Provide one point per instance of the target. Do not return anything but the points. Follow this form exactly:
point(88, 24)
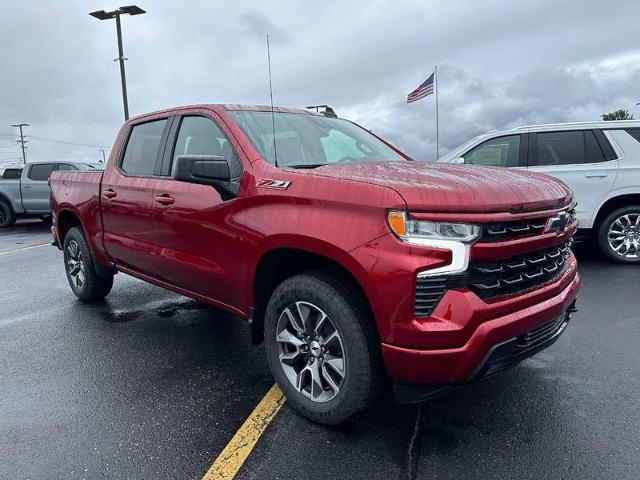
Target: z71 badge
point(270, 183)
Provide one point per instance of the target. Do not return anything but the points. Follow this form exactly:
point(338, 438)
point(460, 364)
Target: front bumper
point(446, 366)
point(501, 357)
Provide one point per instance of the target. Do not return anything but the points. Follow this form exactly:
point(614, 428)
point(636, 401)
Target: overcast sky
point(502, 63)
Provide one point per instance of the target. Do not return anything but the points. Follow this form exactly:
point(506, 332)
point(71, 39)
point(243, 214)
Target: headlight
point(455, 237)
point(416, 231)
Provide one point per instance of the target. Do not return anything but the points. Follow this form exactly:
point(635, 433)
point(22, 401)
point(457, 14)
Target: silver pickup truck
point(28, 195)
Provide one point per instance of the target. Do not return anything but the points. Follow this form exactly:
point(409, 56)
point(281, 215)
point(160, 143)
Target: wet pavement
point(152, 385)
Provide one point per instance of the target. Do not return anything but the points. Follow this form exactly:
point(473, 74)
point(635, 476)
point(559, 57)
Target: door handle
point(596, 175)
point(164, 199)
point(110, 193)
point(26, 186)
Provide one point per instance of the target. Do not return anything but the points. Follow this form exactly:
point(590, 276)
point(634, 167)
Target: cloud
point(501, 64)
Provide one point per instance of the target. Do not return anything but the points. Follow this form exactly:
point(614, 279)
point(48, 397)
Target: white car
point(599, 161)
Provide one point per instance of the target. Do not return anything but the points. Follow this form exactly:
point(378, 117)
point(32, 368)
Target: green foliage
point(618, 115)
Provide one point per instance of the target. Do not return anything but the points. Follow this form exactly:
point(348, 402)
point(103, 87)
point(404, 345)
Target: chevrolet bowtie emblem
point(557, 224)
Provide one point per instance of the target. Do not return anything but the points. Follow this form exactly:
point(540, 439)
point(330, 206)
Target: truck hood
point(441, 187)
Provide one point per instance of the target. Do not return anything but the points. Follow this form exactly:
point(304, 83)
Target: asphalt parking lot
point(152, 385)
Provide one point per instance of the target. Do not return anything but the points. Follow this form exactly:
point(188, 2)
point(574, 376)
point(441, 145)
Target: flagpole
point(436, 89)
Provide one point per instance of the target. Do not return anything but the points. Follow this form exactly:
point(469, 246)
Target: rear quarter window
point(12, 173)
point(634, 132)
point(142, 148)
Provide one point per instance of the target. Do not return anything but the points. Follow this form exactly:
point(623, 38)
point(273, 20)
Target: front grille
point(511, 353)
point(490, 280)
point(518, 273)
point(495, 232)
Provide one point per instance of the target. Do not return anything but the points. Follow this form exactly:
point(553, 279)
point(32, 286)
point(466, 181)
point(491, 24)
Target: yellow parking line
point(4, 252)
point(238, 449)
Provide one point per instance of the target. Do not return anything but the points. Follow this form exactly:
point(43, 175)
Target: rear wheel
point(7, 217)
point(81, 273)
point(619, 235)
point(322, 348)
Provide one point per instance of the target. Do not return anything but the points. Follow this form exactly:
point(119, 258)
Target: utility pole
point(104, 160)
point(22, 141)
point(103, 15)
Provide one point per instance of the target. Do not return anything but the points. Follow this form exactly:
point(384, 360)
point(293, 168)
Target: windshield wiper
point(306, 165)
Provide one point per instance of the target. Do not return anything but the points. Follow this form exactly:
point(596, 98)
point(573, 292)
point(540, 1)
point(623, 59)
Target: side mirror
point(205, 169)
point(211, 170)
point(457, 160)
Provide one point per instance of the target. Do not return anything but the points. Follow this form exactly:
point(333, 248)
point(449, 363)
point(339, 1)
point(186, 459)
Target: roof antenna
point(273, 117)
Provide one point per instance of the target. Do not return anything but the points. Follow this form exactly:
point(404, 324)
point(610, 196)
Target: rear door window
point(558, 148)
point(593, 150)
point(142, 149)
point(41, 171)
point(497, 152)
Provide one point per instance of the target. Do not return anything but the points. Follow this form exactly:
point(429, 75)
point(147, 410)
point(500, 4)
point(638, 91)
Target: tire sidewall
point(10, 216)
point(603, 232)
point(86, 292)
point(344, 316)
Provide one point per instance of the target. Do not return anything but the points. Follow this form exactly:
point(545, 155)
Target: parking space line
point(5, 252)
point(238, 449)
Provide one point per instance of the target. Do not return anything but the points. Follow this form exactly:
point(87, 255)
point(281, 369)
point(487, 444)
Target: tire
point(626, 222)
point(355, 348)
point(81, 273)
point(7, 217)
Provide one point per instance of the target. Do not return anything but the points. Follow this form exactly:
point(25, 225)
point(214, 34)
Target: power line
point(69, 143)
point(58, 141)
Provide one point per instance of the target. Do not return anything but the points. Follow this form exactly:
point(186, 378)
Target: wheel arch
point(612, 204)
point(67, 219)
point(279, 263)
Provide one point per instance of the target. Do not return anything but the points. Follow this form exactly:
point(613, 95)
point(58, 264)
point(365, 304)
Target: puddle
point(160, 309)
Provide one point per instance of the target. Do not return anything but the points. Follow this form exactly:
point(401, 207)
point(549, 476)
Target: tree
point(617, 115)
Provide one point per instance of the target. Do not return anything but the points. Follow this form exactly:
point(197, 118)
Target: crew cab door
point(126, 197)
point(35, 187)
point(577, 158)
point(198, 233)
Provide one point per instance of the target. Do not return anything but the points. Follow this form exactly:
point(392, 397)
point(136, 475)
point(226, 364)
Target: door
point(576, 158)
point(505, 151)
point(35, 188)
point(126, 198)
point(198, 234)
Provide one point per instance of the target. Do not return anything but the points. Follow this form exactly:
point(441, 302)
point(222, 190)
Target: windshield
point(459, 150)
point(310, 140)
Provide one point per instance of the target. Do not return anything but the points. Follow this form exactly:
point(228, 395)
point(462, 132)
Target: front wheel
point(619, 235)
point(81, 273)
point(322, 348)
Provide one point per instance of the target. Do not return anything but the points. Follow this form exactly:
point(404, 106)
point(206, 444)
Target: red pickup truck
point(352, 262)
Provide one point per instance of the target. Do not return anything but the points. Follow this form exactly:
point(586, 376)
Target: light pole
point(22, 141)
point(104, 15)
point(104, 159)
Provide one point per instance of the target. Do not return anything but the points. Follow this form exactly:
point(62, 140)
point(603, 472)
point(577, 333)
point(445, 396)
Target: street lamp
point(103, 15)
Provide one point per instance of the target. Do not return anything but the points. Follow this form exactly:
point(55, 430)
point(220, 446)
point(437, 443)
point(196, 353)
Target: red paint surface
point(207, 248)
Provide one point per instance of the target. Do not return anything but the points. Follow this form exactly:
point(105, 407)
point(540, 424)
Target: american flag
point(422, 91)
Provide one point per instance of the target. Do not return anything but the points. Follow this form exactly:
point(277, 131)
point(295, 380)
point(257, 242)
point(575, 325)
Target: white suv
point(600, 161)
